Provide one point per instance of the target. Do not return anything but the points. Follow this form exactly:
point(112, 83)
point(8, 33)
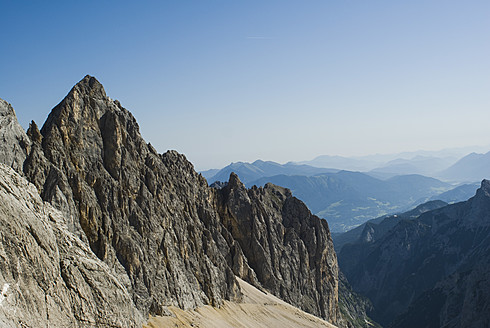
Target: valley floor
point(257, 310)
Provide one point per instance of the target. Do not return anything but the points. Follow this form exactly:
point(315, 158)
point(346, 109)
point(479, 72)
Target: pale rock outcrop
point(14, 143)
point(49, 276)
point(162, 233)
point(144, 214)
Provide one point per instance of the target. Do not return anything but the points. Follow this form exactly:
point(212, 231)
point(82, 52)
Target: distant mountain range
point(415, 162)
point(458, 194)
point(347, 199)
point(372, 230)
point(429, 271)
point(344, 163)
point(471, 168)
point(252, 171)
point(423, 165)
point(447, 165)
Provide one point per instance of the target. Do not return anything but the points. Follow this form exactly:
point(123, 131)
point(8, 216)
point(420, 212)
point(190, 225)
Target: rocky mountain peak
point(89, 85)
point(84, 105)
point(159, 229)
point(234, 181)
point(33, 132)
point(281, 192)
point(485, 187)
point(478, 208)
point(427, 265)
point(14, 144)
point(271, 226)
point(6, 109)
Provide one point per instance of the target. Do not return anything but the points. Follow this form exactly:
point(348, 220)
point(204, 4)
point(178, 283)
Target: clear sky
point(227, 81)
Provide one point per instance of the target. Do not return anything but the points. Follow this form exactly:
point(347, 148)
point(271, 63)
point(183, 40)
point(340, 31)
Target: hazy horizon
point(456, 152)
point(224, 82)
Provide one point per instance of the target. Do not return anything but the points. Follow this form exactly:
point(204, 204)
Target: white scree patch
point(3, 295)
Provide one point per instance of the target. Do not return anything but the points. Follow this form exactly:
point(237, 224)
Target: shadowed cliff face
point(436, 267)
point(48, 276)
point(288, 248)
point(165, 235)
point(139, 210)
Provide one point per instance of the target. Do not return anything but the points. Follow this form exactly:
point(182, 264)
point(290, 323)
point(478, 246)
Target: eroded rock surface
point(48, 276)
point(14, 143)
point(140, 211)
point(165, 236)
point(289, 249)
point(431, 271)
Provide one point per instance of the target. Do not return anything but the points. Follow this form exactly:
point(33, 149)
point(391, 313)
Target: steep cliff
point(153, 222)
point(15, 144)
point(142, 213)
point(461, 299)
point(48, 275)
point(289, 249)
point(435, 267)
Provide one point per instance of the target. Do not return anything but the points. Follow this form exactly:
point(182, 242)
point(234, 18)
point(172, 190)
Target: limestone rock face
point(157, 228)
point(288, 248)
point(14, 143)
point(48, 276)
point(141, 212)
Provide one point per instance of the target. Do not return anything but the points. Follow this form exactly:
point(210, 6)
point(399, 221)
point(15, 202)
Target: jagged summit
point(162, 232)
point(234, 181)
point(89, 85)
point(15, 143)
point(85, 103)
point(5, 108)
point(485, 187)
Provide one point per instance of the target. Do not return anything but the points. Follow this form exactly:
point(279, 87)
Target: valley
point(347, 199)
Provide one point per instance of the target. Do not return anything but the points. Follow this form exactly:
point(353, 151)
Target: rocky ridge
point(374, 229)
point(15, 144)
point(431, 271)
point(154, 224)
point(48, 275)
point(289, 249)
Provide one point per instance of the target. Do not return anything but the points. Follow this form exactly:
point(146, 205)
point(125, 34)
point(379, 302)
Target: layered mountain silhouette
point(344, 163)
point(458, 194)
point(387, 165)
point(471, 168)
point(98, 229)
point(347, 199)
point(423, 165)
point(250, 172)
point(431, 271)
point(372, 230)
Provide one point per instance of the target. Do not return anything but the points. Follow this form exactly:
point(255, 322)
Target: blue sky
point(226, 81)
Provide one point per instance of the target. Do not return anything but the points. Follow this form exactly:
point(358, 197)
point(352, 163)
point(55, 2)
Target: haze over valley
point(347, 198)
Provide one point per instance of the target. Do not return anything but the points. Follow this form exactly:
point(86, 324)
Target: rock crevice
point(156, 227)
